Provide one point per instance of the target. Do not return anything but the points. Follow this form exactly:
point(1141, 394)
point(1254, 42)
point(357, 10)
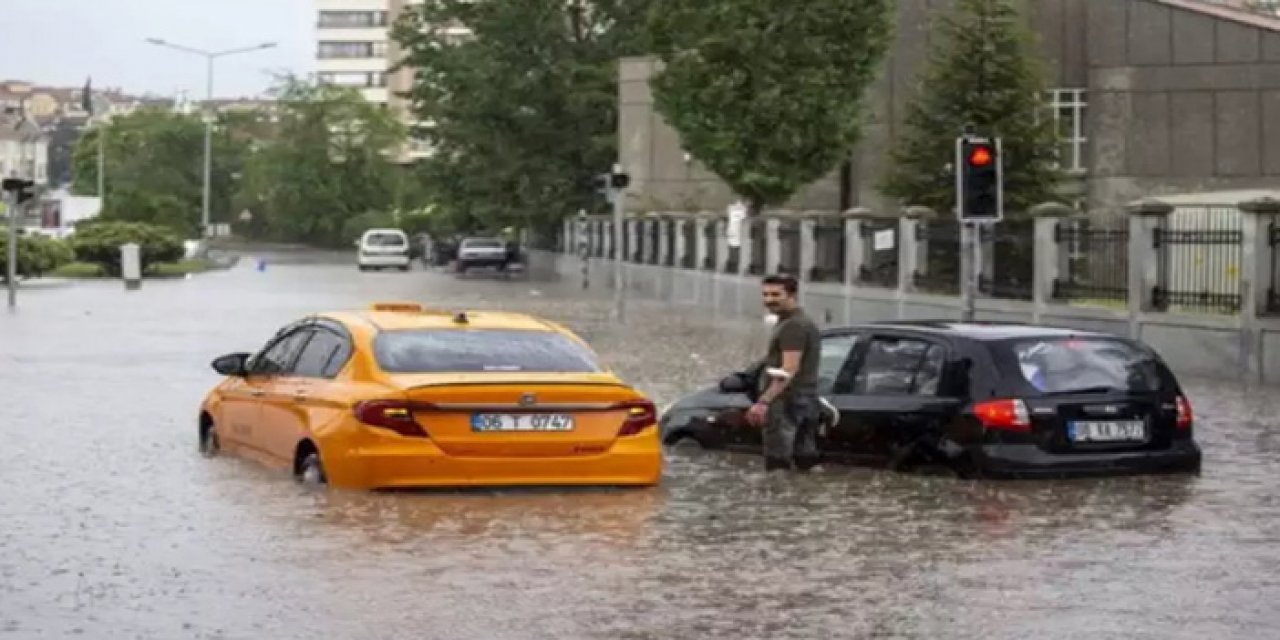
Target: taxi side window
point(278, 358)
point(900, 367)
point(324, 356)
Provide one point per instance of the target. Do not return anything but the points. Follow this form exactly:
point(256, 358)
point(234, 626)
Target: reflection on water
point(115, 528)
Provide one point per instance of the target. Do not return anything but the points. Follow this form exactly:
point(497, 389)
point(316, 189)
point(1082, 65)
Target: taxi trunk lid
point(498, 415)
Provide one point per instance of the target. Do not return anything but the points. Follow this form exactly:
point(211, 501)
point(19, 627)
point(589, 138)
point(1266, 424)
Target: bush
point(100, 244)
point(37, 255)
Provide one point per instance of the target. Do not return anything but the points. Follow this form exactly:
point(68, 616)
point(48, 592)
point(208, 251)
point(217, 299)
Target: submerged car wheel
point(209, 443)
point(310, 469)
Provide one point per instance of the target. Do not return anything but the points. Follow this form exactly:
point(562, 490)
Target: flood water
point(113, 526)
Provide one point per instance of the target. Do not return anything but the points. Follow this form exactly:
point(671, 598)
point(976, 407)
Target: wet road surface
point(112, 526)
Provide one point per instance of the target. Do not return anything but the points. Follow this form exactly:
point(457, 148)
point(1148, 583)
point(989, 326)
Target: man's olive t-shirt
point(796, 332)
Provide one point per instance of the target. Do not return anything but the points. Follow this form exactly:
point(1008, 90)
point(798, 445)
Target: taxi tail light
point(1185, 415)
point(395, 415)
point(641, 414)
point(1004, 415)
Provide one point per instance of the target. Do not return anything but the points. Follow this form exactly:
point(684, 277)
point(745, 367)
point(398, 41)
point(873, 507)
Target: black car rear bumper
point(1029, 461)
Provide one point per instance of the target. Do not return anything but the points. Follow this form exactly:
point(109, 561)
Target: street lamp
point(209, 56)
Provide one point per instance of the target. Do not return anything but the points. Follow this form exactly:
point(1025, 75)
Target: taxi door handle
point(257, 393)
point(300, 396)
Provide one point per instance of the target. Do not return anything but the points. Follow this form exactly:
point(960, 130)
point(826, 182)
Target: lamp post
point(209, 57)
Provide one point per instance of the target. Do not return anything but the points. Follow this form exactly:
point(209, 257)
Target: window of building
point(362, 79)
point(331, 50)
point(352, 19)
point(1067, 107)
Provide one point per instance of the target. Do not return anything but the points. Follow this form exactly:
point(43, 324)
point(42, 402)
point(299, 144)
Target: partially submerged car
point(981, 399)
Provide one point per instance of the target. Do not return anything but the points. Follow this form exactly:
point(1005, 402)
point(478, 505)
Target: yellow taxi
point(404, 396)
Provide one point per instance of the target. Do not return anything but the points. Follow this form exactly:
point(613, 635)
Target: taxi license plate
point(508, 422)
point(1107, 431)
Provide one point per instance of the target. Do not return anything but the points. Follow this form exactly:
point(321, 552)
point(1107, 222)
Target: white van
point(382, 248)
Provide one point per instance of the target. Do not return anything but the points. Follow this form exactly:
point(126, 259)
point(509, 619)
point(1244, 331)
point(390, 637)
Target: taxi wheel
point(311, 470)
point(209, 443)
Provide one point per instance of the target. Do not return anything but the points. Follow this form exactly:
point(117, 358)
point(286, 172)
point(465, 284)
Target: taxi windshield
point(481, 350)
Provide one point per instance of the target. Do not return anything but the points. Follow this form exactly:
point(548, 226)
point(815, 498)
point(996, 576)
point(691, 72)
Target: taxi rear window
point(481, 350)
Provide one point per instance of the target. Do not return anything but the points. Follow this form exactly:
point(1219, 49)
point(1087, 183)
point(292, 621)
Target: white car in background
point(479, 253)
point(383, 248)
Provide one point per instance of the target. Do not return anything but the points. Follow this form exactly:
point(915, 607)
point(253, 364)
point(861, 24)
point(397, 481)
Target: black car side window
point(835, 353)
point(900, 367)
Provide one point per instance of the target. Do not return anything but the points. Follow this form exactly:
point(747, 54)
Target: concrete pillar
point(808, 248)
point(722, 244)
point(607, 229)
point(664, 242)
point(746, 251)
point(1145, 217)
point(634, 229)
point(1049, 258)
point(855, 249)
point(908, 254)
point(1256, 280)
point(772, 245)
point(679, 227)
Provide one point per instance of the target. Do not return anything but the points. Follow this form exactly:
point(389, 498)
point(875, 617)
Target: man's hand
point(757, 413)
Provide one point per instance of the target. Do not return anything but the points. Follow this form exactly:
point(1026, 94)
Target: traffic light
point(979, 180)
point(22, 189)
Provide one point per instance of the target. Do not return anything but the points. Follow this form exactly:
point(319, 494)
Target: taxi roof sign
point(401, 307)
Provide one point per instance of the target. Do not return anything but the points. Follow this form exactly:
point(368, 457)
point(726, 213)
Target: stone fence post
point(1050, 260)
point(1256, 279)
point(1145, 218)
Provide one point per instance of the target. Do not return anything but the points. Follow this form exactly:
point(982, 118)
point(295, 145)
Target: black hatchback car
point(982, 399)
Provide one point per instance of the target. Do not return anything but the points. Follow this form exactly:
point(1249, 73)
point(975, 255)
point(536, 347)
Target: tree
point(524, 111)
point(328, 160)
point(155, 168)
point(768, 95)
point(99, 241)
point(983, 71)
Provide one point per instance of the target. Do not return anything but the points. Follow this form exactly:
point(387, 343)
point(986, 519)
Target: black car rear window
point(481, 350)
point(1055, 365)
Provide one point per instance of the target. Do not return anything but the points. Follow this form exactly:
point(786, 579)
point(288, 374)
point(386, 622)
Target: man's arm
point(790, 364)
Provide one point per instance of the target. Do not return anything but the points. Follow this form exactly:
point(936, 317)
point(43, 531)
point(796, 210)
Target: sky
point(63, 42)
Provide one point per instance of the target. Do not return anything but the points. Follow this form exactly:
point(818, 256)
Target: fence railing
point(1198, 258)
point(1095, 262)
point(880, 241)
point(1189, 258)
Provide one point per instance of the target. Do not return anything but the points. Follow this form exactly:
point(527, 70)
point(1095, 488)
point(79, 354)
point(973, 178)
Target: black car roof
point(980, 331)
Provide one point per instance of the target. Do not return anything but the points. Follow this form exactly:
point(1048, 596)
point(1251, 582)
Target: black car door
point(888, 396)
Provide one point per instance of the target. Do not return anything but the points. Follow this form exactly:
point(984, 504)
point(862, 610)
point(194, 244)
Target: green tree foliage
point(331, 158)
point(99, 242)
point(523, 113)
point(155, 168)
point(983, 71)
point(37, 255)
point(769, 95)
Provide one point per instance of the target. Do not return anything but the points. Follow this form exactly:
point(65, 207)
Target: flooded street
point(113, 526)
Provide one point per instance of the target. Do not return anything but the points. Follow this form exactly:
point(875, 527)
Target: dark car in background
point(980, 399)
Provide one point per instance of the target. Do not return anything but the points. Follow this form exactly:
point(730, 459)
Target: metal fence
point(1095, 261)
point(788, 248)
point(710, 235)
point(756, 266)
point(829, 251)
point(689, 229)
point(940, 271)
point(669, 243)
point(1199, 251)
point(1273, 291)
point(879, 239)
point(1009, 269)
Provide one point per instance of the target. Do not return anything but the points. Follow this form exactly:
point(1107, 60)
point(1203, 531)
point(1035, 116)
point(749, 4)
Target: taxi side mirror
point(232, 365)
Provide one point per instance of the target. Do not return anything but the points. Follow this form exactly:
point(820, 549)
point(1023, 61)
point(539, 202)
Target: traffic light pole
point(969, 262)
point(619, 260)
point(11, 272)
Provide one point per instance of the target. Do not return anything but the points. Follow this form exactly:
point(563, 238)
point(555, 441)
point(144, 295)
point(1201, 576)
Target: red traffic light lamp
point(981, 156)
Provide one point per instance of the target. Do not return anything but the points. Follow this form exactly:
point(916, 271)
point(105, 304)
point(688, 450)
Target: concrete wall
point(1193, 346)
point(1180, 100)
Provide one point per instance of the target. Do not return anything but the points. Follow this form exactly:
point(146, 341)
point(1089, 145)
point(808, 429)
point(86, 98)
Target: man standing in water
point(788, 409)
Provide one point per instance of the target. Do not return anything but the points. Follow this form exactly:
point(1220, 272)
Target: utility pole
point(210, 57)
point(618, 182)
